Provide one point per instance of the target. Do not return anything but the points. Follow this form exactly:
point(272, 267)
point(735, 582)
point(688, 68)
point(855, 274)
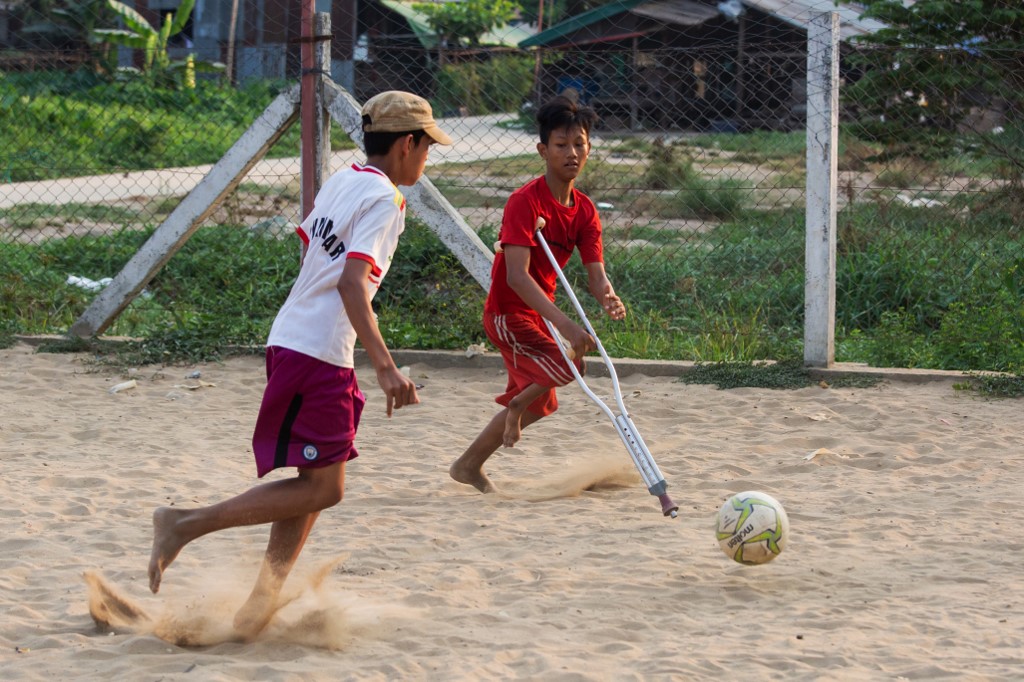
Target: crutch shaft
point(635, 446)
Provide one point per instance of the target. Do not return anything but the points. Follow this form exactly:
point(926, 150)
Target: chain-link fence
point(698, 164)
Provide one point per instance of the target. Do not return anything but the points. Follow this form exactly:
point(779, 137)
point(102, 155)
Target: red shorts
point(309, 414)
point(531, 356)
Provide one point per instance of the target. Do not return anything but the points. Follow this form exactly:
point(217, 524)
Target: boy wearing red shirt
point(523, 285)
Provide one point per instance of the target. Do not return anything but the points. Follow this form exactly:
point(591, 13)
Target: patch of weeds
point(785, 374)
point(199, 340)
point(8, 329)
point(258, 189)
point(853, 381)
point(855, 154)
point(995, 386)
point(166, 205)
point(791, 179)
point(101, 352)
point(644, 233)
point(28, 216)
point(511, 166)
point(506, 166)
point(464, 195)
point(604, 181)
point(763, 144)
point(668, 167)
point(523, 123)
point(906, 174)
point(69, 344)
point(702, 198)
point(641, 335)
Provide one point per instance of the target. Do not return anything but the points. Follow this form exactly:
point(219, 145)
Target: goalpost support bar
point(328, 98)
point(186, 217)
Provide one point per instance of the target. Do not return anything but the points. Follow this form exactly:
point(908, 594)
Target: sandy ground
point(903, 561)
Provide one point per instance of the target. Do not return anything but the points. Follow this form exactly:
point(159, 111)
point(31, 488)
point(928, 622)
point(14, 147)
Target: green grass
point(64, 125)
point(464, 195)
point(643, 233)
point(505, 167)
point(757, 146)
point(26, 216)
point(733, 295)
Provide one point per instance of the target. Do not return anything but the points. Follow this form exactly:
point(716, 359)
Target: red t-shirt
point(568, 227)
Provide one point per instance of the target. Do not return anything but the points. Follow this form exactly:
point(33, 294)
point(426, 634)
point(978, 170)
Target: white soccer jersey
point(358, 213)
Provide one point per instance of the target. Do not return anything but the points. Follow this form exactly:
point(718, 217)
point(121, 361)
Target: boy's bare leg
point(468, 468)
point(313, 490)
point(287, 537)
point(516, 408)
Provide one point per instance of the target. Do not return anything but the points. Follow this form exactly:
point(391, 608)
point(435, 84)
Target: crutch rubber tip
point(668, 507)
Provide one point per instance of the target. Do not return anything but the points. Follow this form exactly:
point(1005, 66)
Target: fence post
point(322, 120)
point(316, 31)
point(822, 177)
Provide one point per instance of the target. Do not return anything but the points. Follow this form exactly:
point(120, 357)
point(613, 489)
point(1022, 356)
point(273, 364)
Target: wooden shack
point(688, 64)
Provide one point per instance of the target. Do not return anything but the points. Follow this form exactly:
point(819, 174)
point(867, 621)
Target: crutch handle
point(537, 227)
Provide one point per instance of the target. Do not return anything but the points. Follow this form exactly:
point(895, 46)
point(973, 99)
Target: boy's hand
point(614, 306)
point(399, 389)
point(581, 341)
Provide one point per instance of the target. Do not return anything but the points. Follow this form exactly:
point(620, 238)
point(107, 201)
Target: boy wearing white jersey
point(312, 402)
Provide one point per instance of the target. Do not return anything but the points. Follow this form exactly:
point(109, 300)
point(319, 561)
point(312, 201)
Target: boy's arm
point(399, 389)
point(601, 289)
point(517, 264)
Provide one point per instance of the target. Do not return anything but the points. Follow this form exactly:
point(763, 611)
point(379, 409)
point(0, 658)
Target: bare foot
point(513, 428)
point(255, 613)
point(167, 542)
point(474, 477)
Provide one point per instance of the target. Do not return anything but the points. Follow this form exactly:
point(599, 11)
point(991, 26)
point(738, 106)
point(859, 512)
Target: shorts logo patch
point(310, 452)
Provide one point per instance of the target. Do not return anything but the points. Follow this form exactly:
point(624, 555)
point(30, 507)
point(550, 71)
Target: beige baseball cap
point(396, 111)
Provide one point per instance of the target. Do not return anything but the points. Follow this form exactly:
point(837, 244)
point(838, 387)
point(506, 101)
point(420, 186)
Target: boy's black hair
point(379, 144)
point(561, 112)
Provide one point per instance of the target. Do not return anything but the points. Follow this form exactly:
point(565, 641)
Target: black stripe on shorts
point(284, 436)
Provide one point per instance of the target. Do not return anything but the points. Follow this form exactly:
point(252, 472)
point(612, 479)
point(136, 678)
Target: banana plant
point(140, 34)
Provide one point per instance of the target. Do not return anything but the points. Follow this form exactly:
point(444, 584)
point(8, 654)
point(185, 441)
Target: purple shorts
point(309, 414)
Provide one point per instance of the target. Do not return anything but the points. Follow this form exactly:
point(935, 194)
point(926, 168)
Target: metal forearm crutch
point(627, 431)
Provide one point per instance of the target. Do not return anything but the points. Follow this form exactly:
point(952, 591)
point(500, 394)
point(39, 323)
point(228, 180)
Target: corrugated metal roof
point(690, 13)
point(800, 12)
point(592, 16)
point(685, 12)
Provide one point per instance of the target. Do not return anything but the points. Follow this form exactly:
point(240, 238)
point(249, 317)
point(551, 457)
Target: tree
point(934, 61)
point(68, 26)
point(157, 64)
point(466, 21)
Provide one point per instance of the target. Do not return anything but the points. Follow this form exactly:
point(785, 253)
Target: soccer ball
point(752, 527)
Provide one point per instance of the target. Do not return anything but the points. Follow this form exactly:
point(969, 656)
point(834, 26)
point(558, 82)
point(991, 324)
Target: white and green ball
point(752, 527)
